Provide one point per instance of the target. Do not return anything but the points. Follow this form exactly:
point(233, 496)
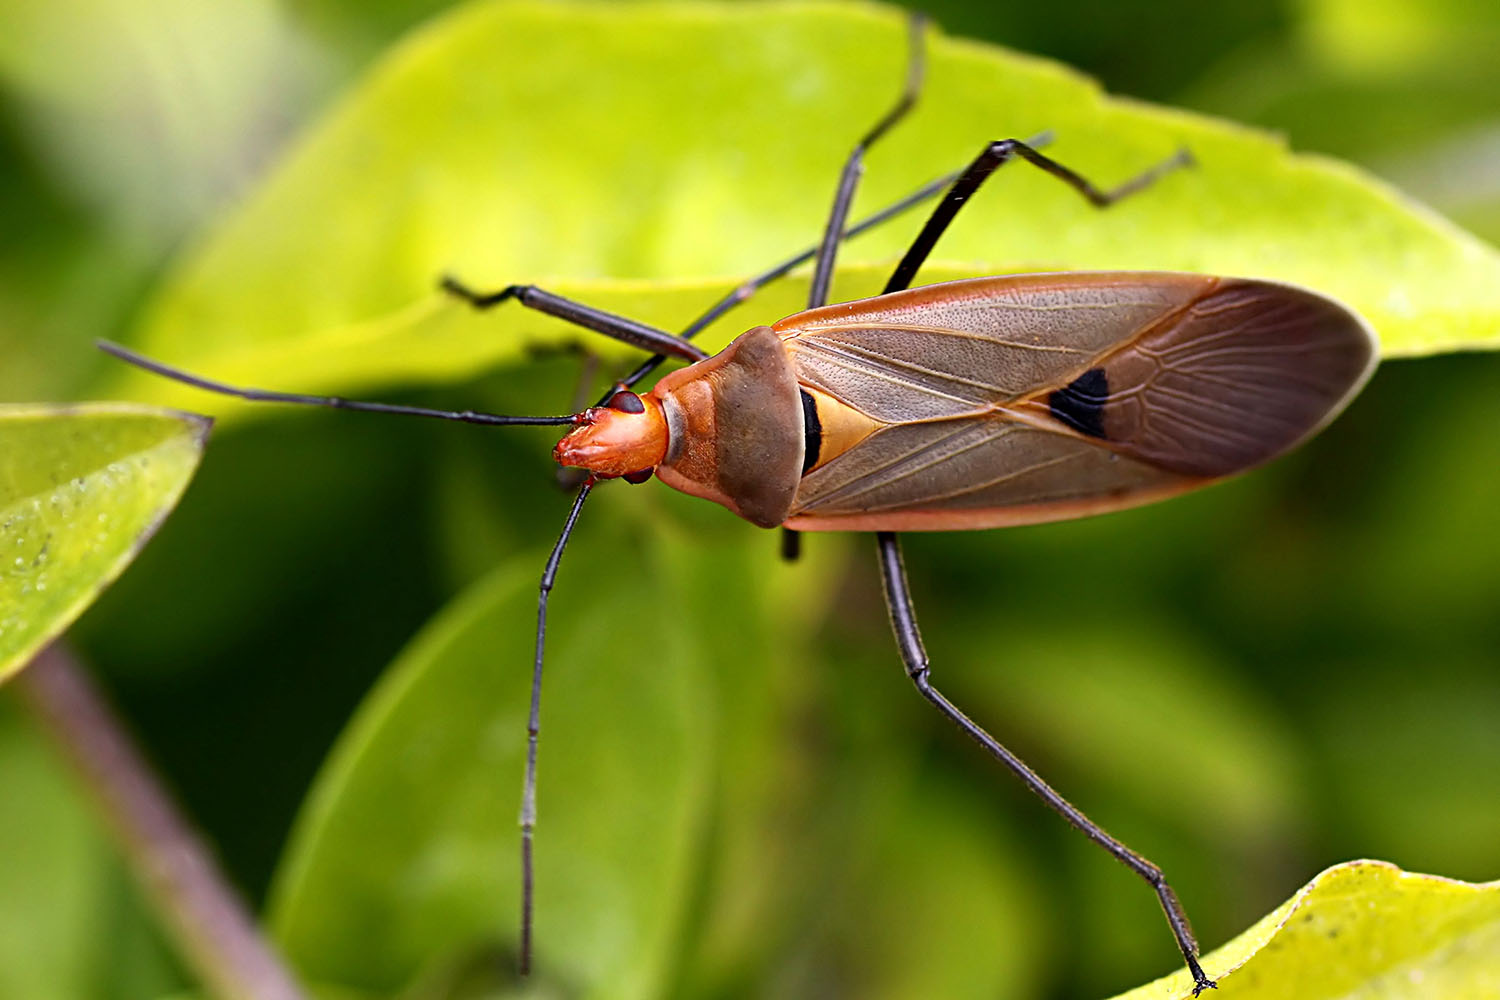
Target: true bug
point(971, 404)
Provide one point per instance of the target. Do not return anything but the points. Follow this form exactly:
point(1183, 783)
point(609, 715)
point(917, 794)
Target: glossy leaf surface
point(1364, 929)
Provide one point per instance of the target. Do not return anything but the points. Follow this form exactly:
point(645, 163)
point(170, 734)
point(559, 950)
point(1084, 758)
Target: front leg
point(647, 338)
point(909, 641)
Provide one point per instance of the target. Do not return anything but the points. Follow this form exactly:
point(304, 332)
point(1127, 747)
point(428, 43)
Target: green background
point(1247, 685)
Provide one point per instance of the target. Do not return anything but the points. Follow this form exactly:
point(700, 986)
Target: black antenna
point(336, 402)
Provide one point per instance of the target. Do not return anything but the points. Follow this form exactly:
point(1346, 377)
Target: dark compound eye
point(626, 402)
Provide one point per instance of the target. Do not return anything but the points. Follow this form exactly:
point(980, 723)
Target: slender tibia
point(909, 641)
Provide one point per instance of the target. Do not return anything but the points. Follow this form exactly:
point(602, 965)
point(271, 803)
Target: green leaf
point(404, 867)
point(1363, 929)
point(81, 490)
point(646, 157)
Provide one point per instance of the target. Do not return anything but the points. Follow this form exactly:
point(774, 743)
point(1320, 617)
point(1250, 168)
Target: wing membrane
point(956, 348)
point(971, 464)
point(1035, 397)
point(1242, 375)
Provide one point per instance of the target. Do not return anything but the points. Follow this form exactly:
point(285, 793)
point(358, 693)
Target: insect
point(971, 404)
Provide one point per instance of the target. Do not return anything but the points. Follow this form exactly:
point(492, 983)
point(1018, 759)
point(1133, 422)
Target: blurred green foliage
point(1246, 684)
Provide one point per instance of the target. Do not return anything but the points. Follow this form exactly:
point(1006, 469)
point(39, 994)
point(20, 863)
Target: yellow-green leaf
point(1364, 929)
point(81, 490)
point(645, 157)
point(403, 868)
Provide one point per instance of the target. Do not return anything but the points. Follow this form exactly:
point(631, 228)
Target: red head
point(627, 435)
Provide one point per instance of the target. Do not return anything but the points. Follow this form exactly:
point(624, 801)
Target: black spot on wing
point(1080, 404)
point(812, 428)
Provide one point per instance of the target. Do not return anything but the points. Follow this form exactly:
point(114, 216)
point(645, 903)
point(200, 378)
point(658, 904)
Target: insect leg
point(534, 728)
point(750, 286)
point(733, 298)
point(993, 156)
point(744, 291)
point(909, 641)
point(647, 338)
point(843, 197)
point(854, 166)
